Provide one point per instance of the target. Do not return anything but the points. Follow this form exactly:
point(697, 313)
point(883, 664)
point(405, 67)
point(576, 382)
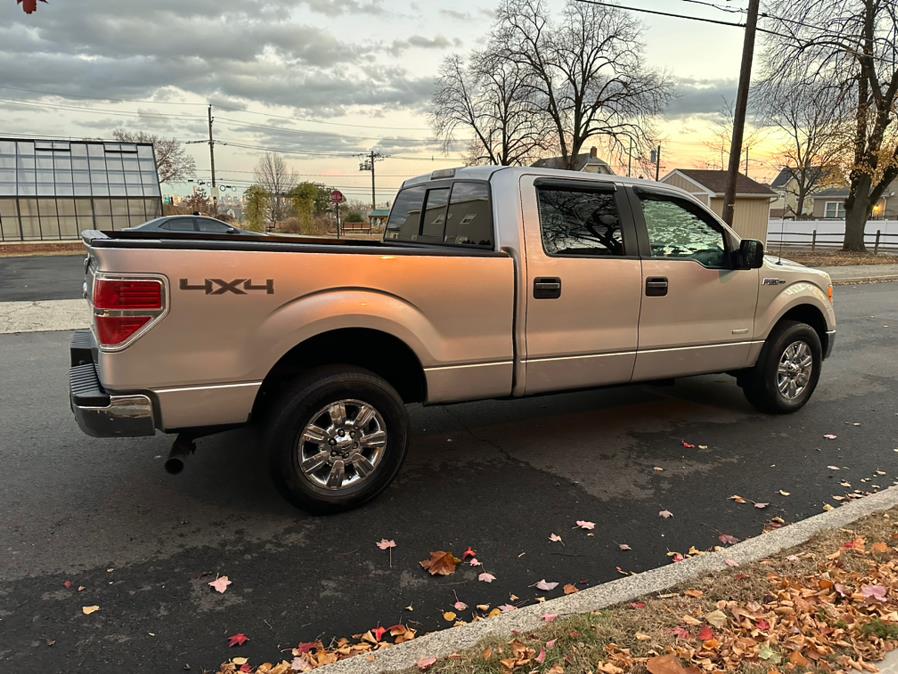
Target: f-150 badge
point(240, 286)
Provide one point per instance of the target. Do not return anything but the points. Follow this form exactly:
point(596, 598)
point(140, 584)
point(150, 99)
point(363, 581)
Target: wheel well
point(383, 354)
point(806, 313)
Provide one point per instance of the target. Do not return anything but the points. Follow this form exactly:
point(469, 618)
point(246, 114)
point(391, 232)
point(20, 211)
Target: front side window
point(679, 230)
point(579, 221)
point(212, 226)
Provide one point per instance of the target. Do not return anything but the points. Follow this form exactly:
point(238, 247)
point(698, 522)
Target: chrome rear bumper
point(99, 413)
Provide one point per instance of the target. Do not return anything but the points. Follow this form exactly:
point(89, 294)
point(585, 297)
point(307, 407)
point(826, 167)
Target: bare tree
point(587, 72)
point(172, 161)
point(277, 179)
point(720, 140)
point(812, 115)
point(490, 100)
point(853, 44)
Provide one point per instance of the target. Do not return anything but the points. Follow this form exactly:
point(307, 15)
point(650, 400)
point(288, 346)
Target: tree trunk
point(857, 211)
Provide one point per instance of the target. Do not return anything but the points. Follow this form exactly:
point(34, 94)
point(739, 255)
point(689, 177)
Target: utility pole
point(748, 52)
point(368, 165)
point(656, 158)
point(746, 161)
point(212, 163)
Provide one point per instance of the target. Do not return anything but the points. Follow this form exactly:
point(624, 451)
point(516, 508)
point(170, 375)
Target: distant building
point(51, 189)
point(377, 218)
point(829, 204)
point(587, 162)
point(752, 206)
point(786, 187)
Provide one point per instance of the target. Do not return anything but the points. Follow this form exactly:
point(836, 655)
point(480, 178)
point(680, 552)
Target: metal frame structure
point(52, 189)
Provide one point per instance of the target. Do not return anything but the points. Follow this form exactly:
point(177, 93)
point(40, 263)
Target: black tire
point(309, 399)
point(760, 383)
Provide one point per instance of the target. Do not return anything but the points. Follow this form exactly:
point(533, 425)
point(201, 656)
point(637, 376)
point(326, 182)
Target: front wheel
point(787, 370)
point(336, 439)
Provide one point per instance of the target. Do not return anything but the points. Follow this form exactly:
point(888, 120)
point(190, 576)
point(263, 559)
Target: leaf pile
point(832, 607)
point(315, 654)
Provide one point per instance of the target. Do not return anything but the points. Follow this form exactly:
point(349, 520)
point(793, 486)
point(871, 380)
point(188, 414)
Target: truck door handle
point(546, 288)
point(656, 286)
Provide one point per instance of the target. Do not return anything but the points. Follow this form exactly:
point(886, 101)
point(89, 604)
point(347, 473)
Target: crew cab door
point(697, 310)
point(582, 285)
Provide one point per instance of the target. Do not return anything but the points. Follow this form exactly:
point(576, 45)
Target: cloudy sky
point(315, 79)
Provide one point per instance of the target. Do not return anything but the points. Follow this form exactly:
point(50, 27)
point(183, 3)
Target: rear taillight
point(123, 307)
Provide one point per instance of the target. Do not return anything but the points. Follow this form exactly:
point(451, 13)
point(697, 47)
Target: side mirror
point(750, 254)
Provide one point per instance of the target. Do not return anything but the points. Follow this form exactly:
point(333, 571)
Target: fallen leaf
point(546, 586)
point(541, 658)
point(87, 610)
point(695, 594)
point(441, 563)
point(768, 654)
point(827, 507)
point(245, 668)
point(425, 663)
point(877, 592)
point(570, 589)
point(508, 608)
point(220, 584)
point(783, 492)
point(550, 617)
point(469, 553)
point(555, 538)
point(386, 544)
point(239, 661)
point(237, 639)
point(665, 514)
point(460, 606)
point(761, 506)
point(448, 616)
point(550, 644)
point(624, 547)
point(833, 467)
point(584, 524)
point(762, 625)
point(378, 632)
point(830, 436)
point(687, 445)
point(486, 577)
point(731, 562)
point(726, 539)
point(705, 633)
point(475, 562)
point(680, 632)
point(667, 664)
point(637, 604)
point(67, 584)
point(658, 469)
point(717, 618)
point(737, 499)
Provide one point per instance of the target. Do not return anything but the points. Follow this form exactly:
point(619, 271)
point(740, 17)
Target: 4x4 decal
point(217, 286)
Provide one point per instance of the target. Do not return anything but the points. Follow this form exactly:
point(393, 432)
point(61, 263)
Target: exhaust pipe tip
point(173, 465)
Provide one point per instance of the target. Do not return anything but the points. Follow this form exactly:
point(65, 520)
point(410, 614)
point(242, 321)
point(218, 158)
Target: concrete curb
point(452, 640)
point(865, 279)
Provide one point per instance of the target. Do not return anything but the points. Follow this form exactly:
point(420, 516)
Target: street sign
point(337, 197)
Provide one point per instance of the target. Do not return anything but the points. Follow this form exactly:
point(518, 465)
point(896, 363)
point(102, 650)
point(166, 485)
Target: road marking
point(42, 316)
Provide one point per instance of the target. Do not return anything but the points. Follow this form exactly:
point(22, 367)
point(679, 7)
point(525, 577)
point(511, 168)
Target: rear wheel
point(337, 438)
point(787, 370)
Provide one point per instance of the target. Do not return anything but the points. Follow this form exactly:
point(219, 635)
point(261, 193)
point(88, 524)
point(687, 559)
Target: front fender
point(776, 305)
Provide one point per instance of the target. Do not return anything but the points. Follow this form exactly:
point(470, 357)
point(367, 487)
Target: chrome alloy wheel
point(342, 444)
point(794, 370)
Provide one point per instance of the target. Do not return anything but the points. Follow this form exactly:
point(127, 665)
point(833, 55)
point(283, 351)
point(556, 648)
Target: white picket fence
point(878, 235)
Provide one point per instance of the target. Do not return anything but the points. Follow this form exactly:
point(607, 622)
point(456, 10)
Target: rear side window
point(212, 226)
point(458, 216)
point(578, 222)
point(179, 225)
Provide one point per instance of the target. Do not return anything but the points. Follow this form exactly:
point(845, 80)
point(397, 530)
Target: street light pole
point(748, 51)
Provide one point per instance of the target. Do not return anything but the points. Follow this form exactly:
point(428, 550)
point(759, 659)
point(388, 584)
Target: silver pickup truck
point(490, 283)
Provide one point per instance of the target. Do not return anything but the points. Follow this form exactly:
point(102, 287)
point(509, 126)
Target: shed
point(752, 208)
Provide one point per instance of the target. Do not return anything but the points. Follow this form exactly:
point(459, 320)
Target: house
point(590, 163)
point(829, 204)
point(786, 187)
point(752, 208)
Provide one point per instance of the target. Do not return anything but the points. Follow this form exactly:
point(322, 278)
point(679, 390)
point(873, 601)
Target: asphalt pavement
point(30, 278)
point(500, 476)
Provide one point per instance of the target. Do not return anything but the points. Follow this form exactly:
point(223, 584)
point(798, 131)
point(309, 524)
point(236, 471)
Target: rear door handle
point(546, 288)
point(656, 286)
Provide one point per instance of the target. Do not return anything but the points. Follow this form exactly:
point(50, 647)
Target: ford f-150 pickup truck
point(490, 282)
